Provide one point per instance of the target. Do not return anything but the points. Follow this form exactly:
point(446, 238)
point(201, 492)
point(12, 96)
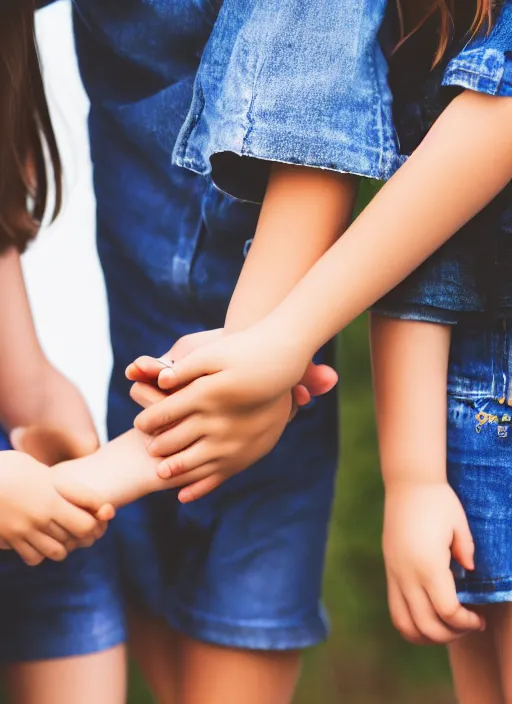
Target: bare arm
point(424, 522)
point(464, 162)
point(21, 356)
point(304, 212)
point(410, 364)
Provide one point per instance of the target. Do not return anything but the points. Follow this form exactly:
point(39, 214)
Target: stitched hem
point(307, 632)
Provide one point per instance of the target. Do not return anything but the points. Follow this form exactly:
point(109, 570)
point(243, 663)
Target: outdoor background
point(364, 661)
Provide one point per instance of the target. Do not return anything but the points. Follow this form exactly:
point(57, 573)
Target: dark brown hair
point(29, 157)
point(413, 13)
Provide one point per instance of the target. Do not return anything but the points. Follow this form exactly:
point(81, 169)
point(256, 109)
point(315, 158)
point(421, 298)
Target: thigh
point(211, 674)
point(155, 648)
point(99, 678)
point(476, 669)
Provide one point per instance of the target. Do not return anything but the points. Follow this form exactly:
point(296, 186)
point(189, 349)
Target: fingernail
point(167, 374)
point(163, 471)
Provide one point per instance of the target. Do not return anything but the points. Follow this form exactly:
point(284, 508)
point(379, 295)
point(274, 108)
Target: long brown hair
point(29, 157)
point(413, 13)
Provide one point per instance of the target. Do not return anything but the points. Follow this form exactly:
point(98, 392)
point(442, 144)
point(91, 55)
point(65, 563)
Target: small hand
point(424, 527)
point(318, 379)
point(35, 519)
point(224, 436)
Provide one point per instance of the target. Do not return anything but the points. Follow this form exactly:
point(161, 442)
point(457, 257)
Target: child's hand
point(220, 424)
point(424, 527)
point(318, 379)
point(35, 519)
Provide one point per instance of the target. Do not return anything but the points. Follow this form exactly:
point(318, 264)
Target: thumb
point(463, 547)
point(319, 379)
point(84, 497)
point(186, 370)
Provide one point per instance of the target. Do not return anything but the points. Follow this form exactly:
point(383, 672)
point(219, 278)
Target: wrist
point(404, 483)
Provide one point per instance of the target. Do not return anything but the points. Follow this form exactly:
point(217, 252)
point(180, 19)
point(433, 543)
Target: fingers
point(145, 369)
point(301, 396)
point(401, 616)
point(146, 395)
point(187, 370)
point(463, 547)
point(193, 457)
point(164, 414)
point(79, 523)
point(47, 546)
point(444, 600)
point(86, 498)
point(97, 534)
point(319, 379)
point(201, 488)
point(28, 554)
point(175, 439)
point(59, 534)
point(426, 619)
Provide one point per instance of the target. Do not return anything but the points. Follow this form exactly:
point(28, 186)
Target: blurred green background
point(364, 662)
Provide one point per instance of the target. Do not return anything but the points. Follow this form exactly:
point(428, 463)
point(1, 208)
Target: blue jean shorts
point(480, 454)
point(63, 609)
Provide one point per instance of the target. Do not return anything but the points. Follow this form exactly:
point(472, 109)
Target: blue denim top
point(229, 85)
point(296, 81)
point(472, 273)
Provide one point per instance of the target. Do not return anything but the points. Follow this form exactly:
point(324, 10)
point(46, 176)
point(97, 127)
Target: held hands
point(39, 519)
point(222, 405)
point(424, 527)
point(42, 516)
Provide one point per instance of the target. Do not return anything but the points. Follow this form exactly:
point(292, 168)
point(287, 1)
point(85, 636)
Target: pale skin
point(424, 522)
point(42, 515)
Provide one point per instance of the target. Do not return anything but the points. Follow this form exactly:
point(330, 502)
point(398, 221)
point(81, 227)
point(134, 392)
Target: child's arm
point(424, 523)
point(33, 394)
point(121, 471)
point(34, 519)
point(463, 163)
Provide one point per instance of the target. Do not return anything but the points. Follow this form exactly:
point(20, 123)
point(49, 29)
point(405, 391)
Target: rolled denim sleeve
point(295, 81)
point(485, 63)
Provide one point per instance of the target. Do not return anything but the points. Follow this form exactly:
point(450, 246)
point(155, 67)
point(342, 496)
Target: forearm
point(304, 212)
point(464, 162)
point(21, 356)
point(121, 471)
point(410, 363)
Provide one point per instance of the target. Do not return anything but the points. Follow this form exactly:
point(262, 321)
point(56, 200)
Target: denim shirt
point(293, 81)
point(472, 273)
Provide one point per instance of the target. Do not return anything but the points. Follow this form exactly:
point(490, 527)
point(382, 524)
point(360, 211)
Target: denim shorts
point(63, 609)
point(480, 453)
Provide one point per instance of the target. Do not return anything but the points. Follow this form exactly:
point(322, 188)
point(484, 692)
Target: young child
point(53, 611)
point(233, 381)
point(235, 85)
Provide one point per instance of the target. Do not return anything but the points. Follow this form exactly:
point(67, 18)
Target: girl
point(54, 611)
point(249, 373)
point(234, 85)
